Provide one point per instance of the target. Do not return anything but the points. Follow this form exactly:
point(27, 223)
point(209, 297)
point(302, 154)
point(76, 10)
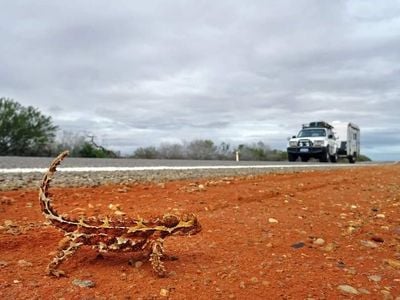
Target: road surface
point(10, 164)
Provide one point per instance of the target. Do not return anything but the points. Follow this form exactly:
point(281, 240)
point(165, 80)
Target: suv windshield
point(311, 132)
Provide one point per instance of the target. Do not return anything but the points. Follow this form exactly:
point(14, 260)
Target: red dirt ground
point(302, 235)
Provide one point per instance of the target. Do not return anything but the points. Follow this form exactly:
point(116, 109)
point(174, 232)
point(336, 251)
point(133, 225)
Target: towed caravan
point(348, 139)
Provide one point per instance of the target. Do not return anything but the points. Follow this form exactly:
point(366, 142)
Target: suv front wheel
point(324, 155)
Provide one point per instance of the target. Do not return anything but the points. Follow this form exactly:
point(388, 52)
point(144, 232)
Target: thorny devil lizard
point(106, 234)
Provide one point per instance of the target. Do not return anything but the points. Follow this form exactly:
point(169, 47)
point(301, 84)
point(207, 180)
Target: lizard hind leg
point(67, 247)
point(157, 252)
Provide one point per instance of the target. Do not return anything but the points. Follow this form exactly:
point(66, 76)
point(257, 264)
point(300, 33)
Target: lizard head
point(184, 225)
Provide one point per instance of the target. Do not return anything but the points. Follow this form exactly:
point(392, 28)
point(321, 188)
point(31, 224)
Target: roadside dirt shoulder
point(313, 234)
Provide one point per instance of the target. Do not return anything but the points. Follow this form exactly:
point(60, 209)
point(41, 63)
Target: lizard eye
point(170, 220)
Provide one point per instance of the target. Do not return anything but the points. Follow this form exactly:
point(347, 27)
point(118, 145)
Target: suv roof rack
point(318, 124)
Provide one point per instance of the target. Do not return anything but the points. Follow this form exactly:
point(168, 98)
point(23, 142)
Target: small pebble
point(161, 185)
point(119, 213)
point(254, 280)
point(272, 220)
point(24, 263)
point(164, 293)
point(84, 283)
point(138, 264)
point(375, 278)
point(8, 223)
point(394, 263)
point(348, 289)
point(114, 206)
point(369, 244)
point(364, 291)
point(319, 242)
point(330, 247)
point(298, 245)
point(351, 270)
point(351, 229)
point(123, 276)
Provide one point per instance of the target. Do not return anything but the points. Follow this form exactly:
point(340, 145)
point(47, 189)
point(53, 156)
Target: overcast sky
point(139, 73)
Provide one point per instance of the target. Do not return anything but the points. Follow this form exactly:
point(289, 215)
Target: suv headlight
point(319, 143)
point(292, 143)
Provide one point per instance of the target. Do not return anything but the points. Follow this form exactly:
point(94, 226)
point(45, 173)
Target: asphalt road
point(26, 172)
point(41, 162)
point(13, 162)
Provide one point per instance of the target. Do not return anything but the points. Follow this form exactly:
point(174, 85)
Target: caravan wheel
point(352, 158)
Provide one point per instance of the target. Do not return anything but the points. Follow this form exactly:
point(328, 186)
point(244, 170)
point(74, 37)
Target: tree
point(97, 150)
point(24, 130)
point(171, 151)
point(260, 151)
point(201, 149)
point(148, 152)
point(78, 145)
point(225, 152)
point(89, 150)
point(71, 141)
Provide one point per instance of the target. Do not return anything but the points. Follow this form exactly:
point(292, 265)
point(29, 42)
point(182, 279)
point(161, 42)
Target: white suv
point(315, 139)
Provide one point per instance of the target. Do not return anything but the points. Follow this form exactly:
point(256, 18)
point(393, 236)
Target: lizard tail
point(44, 196)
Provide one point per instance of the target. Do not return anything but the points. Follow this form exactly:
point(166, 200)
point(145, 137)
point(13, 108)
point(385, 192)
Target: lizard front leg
point(67, 247)
point(157, 252)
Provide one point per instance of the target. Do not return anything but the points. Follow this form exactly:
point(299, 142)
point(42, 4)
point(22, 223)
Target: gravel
point(13, 181)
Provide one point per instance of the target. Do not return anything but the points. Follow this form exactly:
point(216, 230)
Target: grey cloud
point(382, 137)
point(141, 73)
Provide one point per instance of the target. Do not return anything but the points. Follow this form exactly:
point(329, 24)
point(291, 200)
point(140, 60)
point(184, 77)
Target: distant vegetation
point(207, 149)
point(81, 146)
point(25, 131)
